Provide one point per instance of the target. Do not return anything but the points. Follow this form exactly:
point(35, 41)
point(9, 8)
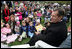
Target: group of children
point(23, 29)
point(19, 26)
point(21, 22)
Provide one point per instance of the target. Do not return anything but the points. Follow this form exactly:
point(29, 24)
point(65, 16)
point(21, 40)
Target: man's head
point(57, 15)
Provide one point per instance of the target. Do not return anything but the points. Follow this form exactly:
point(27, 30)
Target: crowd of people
point(22, 19)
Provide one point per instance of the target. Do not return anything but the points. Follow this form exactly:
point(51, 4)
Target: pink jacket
point(3, 37)
point(11, 38)
point(20, 16)
point(5, 30)
point(39, 14)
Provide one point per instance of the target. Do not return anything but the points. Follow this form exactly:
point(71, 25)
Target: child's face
point(18, 24)
point(31, 24)
point(16, 8)
point(23, 23)
point(35, 17)
point(12, 19)
point(37, 23)
point(7, 25)
point(6, 7)
point(27, 20)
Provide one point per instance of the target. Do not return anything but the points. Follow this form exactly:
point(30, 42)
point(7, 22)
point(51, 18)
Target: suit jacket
point(56, 33)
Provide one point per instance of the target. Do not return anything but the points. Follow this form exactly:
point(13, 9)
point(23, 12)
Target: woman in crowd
point(6, 14)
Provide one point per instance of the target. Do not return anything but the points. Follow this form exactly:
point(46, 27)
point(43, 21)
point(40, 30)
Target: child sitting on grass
point(5, 31)
point(31, 30)
point(17, 28)
point(23, 30)
point(38, 26)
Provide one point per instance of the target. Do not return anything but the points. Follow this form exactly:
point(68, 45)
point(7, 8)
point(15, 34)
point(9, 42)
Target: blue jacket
point(34, 22)
point(26, 13)
point(23, 28)
point(31, 29)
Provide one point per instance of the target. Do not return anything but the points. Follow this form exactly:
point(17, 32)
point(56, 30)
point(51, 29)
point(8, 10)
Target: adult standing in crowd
point(6, 14)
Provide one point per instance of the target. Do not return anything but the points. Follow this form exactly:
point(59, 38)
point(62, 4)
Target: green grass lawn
point(19, 42)
point(69, 23)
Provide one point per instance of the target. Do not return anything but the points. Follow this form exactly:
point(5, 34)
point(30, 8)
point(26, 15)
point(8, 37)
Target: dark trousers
point(35, 38)
point(4, 20)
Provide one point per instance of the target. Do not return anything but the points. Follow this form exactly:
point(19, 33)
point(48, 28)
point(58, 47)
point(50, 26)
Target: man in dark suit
point(55, 33)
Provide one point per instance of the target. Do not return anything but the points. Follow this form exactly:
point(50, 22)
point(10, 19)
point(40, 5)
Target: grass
point(18, 42)
point(69, 23)
point(42, 20)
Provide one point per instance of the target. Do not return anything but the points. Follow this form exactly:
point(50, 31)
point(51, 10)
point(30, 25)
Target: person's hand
point(69, 29)
point(44, 28)
point(37, 33)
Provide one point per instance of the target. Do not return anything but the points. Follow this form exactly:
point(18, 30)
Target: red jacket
point(5, 14)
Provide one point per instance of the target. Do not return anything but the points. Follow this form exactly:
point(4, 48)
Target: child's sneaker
point(20, 39)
